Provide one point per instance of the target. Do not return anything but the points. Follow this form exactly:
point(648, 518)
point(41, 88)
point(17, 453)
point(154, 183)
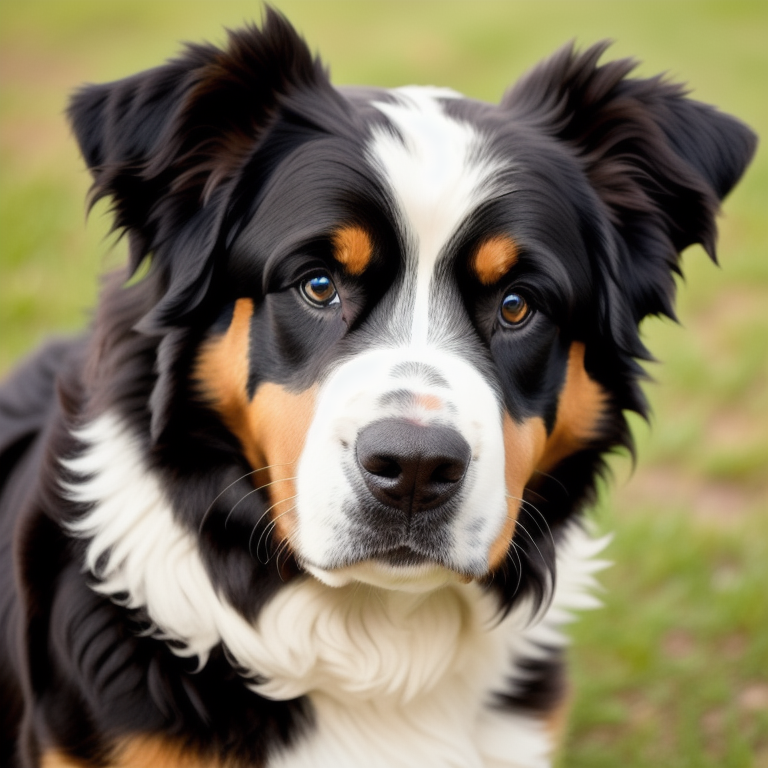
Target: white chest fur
point(408, 680)
point(396, 679)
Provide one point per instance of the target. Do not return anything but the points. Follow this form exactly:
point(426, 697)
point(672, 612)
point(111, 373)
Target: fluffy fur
point(309, 492)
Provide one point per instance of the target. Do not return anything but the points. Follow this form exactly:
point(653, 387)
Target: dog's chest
point(400, 680)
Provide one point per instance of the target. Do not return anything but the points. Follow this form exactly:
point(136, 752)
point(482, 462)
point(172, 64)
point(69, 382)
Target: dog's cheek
point(523, 447)
point(221, 374)
point(271, 427)
point(529, 450)
point(278, 422)
point(581, 406)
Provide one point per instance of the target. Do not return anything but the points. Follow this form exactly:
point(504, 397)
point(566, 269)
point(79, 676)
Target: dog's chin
point(397, 573)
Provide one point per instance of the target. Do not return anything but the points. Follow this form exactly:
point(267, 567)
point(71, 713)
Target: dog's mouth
point(399, 568)
point(404, 556)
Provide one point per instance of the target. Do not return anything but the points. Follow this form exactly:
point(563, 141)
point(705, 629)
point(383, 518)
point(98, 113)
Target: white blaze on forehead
point(439, 175)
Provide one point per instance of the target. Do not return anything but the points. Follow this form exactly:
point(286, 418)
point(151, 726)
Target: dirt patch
point(734, 647)
point(735, 306)
point(38, 142)
point(36, 86)
point(754, 698)
point(715, 503)
point(678, 644)
point(735, 429)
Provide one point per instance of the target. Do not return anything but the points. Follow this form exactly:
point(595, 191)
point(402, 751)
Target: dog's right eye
point(319, 290)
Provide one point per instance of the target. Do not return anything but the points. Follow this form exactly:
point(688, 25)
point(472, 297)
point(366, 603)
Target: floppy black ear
point(166, 146)
point(659, 162)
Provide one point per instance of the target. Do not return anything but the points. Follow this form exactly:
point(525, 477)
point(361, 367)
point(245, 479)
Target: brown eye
point(514, 309)
point(319, 290)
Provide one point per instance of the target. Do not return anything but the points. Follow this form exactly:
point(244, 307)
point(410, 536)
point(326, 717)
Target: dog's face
point(412, 316)
point(393, 353)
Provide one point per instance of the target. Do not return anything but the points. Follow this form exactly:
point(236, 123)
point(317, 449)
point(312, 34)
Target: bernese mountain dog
point(308, 493)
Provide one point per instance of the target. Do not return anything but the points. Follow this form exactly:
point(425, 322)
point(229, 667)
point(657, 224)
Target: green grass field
point(673, 670)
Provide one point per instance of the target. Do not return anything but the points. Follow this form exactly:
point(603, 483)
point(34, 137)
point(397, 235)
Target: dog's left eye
point(319, 290)
point(514, 309)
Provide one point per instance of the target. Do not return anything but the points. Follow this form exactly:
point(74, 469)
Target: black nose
point(411, 467)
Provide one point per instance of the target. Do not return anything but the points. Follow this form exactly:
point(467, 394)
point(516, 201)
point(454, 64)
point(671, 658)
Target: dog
point(309, 493)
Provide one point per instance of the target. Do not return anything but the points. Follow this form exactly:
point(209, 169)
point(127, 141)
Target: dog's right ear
point(166, 146)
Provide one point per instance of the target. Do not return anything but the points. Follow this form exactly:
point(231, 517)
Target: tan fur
point(271, 427)
point(429, 402)
point(494, 258)
point(523, 447)
point(143, 752)
point(56, 759)
point(352, 247)
point(528, 449)
point(222, 373)
point(278, 421)
point(579, 409)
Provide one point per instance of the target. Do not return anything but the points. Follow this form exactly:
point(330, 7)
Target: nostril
point(410, 466)
point(448, 472)
point(381, 466)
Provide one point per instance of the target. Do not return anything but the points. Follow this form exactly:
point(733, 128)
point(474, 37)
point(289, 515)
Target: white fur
point(438, 172)
point(438, 175)
point(396, 679)
point(347, 402)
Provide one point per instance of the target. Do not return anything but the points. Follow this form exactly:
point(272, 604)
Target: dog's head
point(410, 316)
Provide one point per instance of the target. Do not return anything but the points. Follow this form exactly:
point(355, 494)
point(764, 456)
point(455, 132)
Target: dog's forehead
point(438, 167)
point(438, 170)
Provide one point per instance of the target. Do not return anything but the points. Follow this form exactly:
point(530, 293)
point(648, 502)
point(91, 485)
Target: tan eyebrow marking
point(352, 247)
point(494, 258)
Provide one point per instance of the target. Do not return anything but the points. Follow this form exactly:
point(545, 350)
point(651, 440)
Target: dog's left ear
point(659, 162)
point(167, 147)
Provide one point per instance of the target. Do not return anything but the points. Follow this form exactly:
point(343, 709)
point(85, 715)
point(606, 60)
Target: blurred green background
point(673, 670)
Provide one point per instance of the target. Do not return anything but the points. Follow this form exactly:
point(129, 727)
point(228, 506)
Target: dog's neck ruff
point(392, 675)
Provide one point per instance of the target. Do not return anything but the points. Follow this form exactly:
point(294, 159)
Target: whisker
point(255, 490)
point(516, 550)
point(357, 587)
point(552, 477)
point(535, 493)
point(281, 548)
point(234, 482)
point(377, 594)
point(284, 547)
point(272, 523)
point(529, 505)
point(533, 541)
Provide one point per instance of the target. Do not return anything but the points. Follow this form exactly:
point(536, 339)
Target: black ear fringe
point(166, 146)
point(659, 162)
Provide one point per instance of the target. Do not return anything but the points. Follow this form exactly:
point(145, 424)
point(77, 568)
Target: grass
point(672, 671)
